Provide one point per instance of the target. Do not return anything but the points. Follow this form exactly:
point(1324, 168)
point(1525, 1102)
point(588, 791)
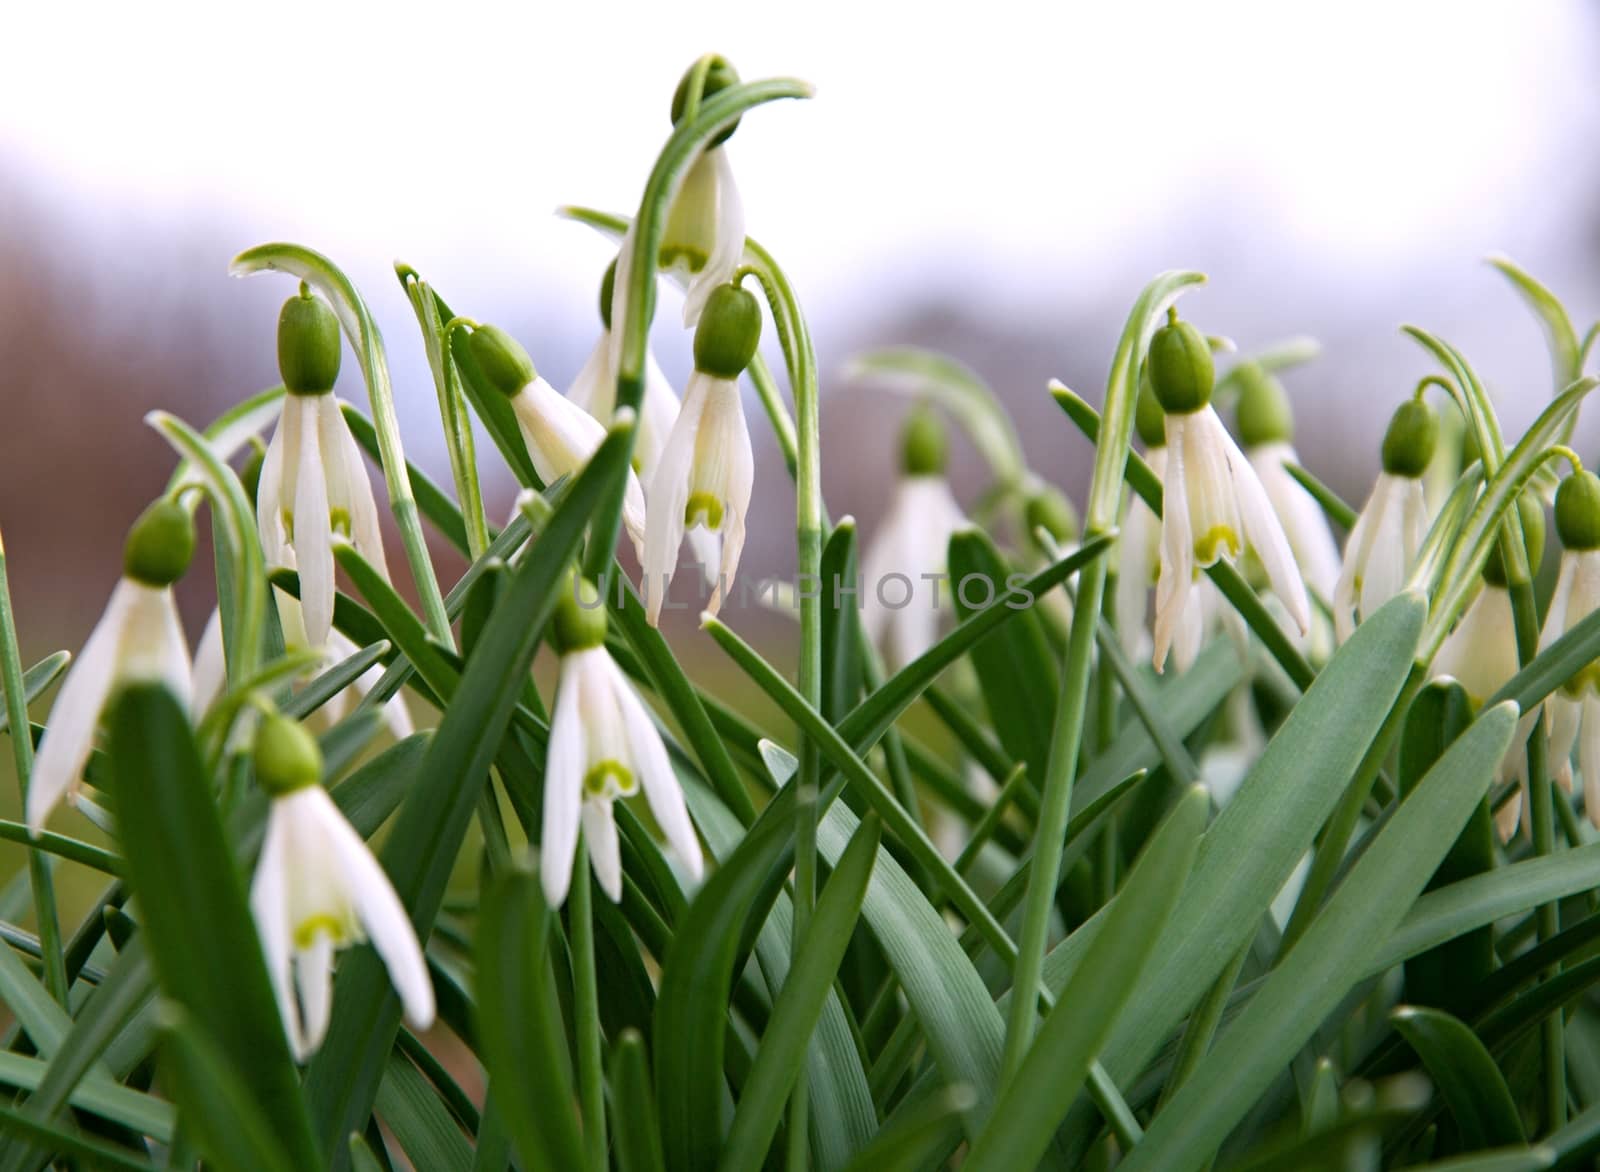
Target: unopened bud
point(1181, 370)
point(308, 344)
point(1578, 512)
point(730, 327)
point(1264, 414)
point(1409, 443)
point(160, 545)
point(719, 77)
point(286, 756)
point(502, 359)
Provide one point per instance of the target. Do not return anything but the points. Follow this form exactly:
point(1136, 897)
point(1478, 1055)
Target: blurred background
point(995, 181)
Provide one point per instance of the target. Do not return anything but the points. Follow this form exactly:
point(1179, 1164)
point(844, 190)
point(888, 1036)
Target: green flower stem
point(1541, 801)
point(452, 410)
point(586, 1011)
point(317, 270)
point(40, 877)
point(689, 138)
point(1105, 501)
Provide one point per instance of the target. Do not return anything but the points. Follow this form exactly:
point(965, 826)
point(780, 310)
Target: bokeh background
point(997, 181)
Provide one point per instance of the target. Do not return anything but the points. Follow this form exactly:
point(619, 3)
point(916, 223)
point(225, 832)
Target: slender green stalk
point(1202, 1027)
point(40, 877)
point(586, 1012)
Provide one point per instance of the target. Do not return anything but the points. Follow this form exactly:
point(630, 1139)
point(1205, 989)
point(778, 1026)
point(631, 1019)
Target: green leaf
point(633, 1107)
point(521, 1042)
point(422, 846)
point(218, 1111)
point(1465, 1074)
point(1330, 958)
point(781, 1055)
point(142, 1113)
point(57, 1142)
point(1072, 1034)
point(36, 679)
point(419, 1120)
point(1331, 504)
point(1015, 665)
point(1518, 1160)
point(916, 1133)
point(911, 370)
point(1565, 363)
point(1555, 665)
point(1344, 1142)
point(842, 673)
point(229, 432)
point(196, 920)
point(434, 503)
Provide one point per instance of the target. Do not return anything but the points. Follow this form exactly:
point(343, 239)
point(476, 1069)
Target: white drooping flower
point(560, 435)
point(314, 484)
point(1266, 427)
point(318, 889)
point(1213, 504)
point(138, 639)
point(1480, 654)
point(603, 746)
point(704, 235)
point(1572, 712)
point(903, 566)
point(707, 470)
point(1138, 549)
point(210, 669)
point(1383, 545)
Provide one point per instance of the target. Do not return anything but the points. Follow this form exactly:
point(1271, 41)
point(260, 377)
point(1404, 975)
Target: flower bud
point(1181, 370)
point(718, 78)
point(1532, 514)
point(286, 756)
point(922, 444)
point(1264, 414)
point(160, 544)
point(579, 620)
point(502, 359)
point(1409, 443)
point(1578, 512)
point(729, 329)
point(1050, 510)
point(1148, 418)
point(308, 344)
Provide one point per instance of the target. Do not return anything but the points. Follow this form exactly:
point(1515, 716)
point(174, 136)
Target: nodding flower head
point(1572, 711)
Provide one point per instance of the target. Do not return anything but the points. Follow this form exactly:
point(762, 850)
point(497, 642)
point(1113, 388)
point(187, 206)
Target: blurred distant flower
point(1573, 710)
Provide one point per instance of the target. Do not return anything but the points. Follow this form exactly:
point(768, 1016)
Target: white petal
point(1565, 716)
point(650, 760)
point(595, 388)
point(1176, 575)
point(728, 247)
point(725, 468)
point(269, 904)
point(1304, 522)
point(381, 913)
point(1589, 756)
point(1389, 564)
point(340, 451)
point(1481, 653)
point(153, 645)
point(563, 783)
point(282, 457)
point(1192, 623)
point(658, 412)
point(561, 436)
point(210, 665)
point(634, 515)
point(314, 976)
point(69, 734)
point(313, 542)
point(1508, 816)
point(605, 854)
point(1264, 534)
point(667, 498)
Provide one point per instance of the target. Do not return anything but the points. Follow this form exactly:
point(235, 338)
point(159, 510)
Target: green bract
point(286, 756)
point(502, 359)
point(729, 330)
point(1578, 511)
point(1180, 368)
point(160, 545)
point(308, 344)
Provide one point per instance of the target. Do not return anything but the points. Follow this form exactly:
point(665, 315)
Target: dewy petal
point(1589, 755)
point(278, 467)
point(269, 904)
point(312, 539)
point(711, 182)
point(605, 854)
point(1303, 520)
point(314, 976)
point(561, 436)
point(69, 735)
point(1176, 577)
point(340, 451)
point(381, 913)
point(563, 781)
point(654, 767)
point(210, 665)
point(667, 498)
point(1263, 532)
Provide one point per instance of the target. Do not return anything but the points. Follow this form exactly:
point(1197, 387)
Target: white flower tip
point(157, 418)
point(622, 419)
point(847, 521)
point(708, 618)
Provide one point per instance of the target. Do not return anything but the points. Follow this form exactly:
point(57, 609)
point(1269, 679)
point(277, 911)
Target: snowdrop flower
point(704, 233)
point(1050, 526)
point(595, 390)
point(603, 746)
point(1392, 526)
point(909, 555)
point(1266, 431)
point(1481, 653)
point(314, 485)
point(561, 436)
point(707, 469)
point(138, 638)
point(318, 889)
point(210, 668)
point(1573, 711)
point(1213, 503)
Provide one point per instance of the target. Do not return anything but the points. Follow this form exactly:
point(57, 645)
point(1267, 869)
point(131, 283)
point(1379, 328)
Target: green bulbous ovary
point(729, 330)
point(160, 545)
point(1181, 371)
point(309, 345)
